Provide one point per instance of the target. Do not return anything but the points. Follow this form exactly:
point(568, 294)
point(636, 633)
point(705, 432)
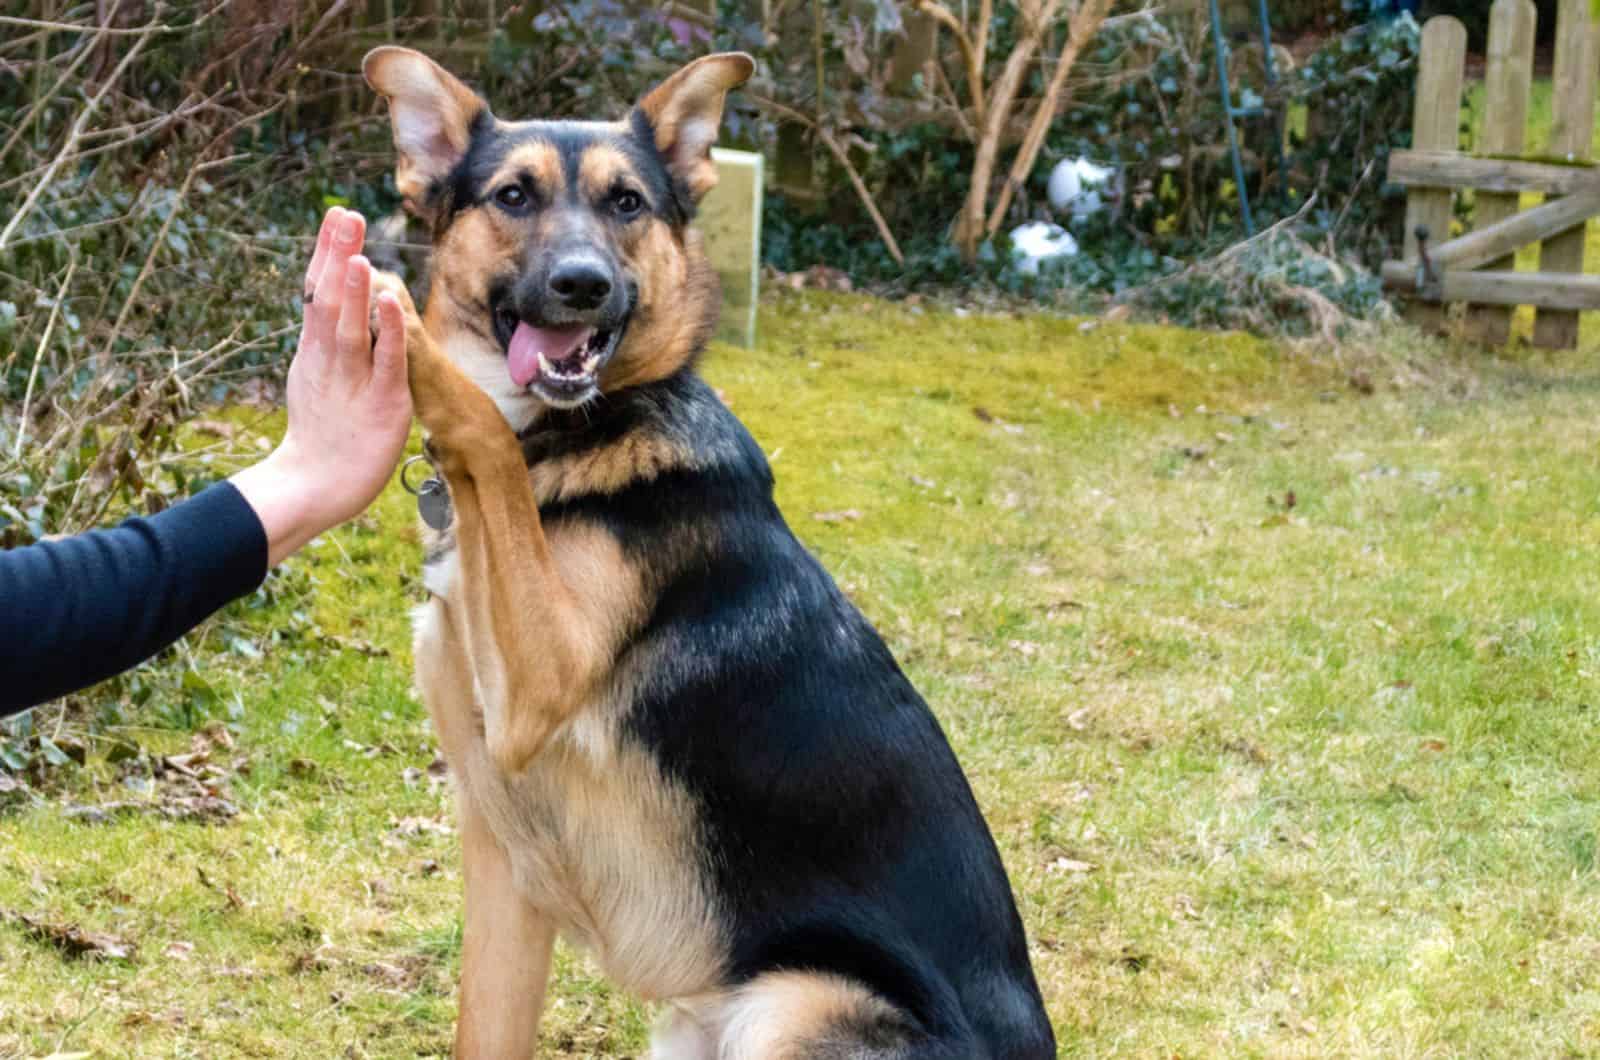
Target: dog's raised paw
point(383, 280)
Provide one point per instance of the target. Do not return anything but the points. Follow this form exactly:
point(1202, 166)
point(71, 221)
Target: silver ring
point(405, 468)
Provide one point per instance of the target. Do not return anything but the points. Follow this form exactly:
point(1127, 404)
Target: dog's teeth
point(590, 361)
point(544, 363)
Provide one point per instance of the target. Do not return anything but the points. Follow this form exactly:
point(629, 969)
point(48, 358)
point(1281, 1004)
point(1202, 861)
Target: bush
point(1147, 100)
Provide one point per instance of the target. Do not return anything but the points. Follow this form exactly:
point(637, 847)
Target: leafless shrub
point(156, 202)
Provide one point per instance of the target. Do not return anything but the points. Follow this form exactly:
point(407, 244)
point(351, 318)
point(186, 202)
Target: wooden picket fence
point(1477, 267)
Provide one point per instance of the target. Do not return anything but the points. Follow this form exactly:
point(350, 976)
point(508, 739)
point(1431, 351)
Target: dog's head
point(563, 265)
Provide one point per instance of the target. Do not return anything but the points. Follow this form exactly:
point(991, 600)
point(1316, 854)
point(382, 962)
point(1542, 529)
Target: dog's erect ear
point(685, 112)
point(432, 114)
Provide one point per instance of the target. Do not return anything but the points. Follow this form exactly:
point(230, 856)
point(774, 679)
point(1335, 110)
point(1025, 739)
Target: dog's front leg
point(505, 956)
point(536, 649)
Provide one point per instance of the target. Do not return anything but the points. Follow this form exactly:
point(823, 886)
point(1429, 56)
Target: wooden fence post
point(1505, 114)
point(1571, 133)
point(1435, 126)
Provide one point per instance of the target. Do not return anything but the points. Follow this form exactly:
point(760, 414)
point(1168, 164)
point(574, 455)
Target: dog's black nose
point(580, 284)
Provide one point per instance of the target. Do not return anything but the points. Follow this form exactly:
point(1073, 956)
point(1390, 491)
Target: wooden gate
point(1477, 267)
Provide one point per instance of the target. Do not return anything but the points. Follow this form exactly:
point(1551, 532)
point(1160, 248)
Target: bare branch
point(38, 355)
point(1085, 23)
point(969, 54)
point(71, 144)
point(843, 157)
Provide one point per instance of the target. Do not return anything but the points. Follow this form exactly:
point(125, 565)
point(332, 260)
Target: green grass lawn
point(1282, 701)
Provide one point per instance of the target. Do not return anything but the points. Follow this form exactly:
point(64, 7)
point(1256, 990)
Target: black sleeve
point(76, 611)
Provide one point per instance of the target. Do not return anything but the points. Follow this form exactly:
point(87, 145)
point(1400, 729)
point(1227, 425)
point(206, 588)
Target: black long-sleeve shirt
point(78, 610)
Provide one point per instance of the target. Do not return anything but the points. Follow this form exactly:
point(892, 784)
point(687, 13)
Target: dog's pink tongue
point(527, 342)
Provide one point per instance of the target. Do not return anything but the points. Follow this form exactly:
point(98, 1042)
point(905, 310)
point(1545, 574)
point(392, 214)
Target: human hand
point(349, 406)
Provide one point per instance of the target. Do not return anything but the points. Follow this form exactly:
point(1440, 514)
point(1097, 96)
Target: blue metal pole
point(1275, 118)
point(1227, 114)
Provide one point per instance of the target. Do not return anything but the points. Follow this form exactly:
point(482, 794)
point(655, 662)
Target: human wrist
point(283, 494)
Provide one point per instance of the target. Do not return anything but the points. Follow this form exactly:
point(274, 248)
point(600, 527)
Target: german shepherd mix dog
point(676, 741)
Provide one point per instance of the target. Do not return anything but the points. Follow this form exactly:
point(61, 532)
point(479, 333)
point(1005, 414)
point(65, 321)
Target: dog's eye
point(628, 203)
point(511, 197)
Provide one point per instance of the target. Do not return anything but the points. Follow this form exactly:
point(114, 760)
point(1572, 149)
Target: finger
point(319, 256)
point(389, 353)
point(355, 320)
point(330, 285)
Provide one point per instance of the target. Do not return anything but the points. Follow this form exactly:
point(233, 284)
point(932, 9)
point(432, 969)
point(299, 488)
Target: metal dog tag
point(433, 503)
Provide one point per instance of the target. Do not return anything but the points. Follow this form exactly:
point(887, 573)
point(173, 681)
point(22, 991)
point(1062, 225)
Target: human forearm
point(75, 611)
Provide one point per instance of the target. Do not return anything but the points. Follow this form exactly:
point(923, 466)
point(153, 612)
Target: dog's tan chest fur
point(600, 841)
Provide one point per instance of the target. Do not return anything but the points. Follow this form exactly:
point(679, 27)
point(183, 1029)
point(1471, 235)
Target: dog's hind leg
point(797, 1015)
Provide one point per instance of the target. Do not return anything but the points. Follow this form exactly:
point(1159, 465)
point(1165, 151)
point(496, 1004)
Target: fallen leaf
point(214, 735)
point(1433, 745)
point(226, 889)
point(849, 514)
point(178, 951)
point(318, 960)
point(401, 973)
point(421, 826)
point(355, 644)
point(206, 809)
point(216, 428)
point(1070, 865)
point(186, 764)
point(73, 942)
point(1247, 750)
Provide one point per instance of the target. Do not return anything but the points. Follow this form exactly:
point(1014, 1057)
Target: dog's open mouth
point(558, 363)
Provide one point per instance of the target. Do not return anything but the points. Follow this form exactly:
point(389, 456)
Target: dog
point(675, 741)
